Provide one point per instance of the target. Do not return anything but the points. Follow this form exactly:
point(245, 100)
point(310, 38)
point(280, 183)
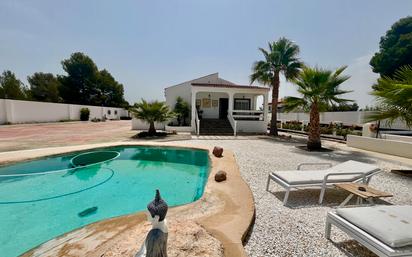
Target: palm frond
point(321, 86)
point(281, 57)
point(292, 103)
point(394, 96)
point(154, 111)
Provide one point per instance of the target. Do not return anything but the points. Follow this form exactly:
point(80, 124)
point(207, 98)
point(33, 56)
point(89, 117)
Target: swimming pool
point(50, 197)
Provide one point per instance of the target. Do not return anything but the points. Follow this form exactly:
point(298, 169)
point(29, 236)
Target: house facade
point(215, 102)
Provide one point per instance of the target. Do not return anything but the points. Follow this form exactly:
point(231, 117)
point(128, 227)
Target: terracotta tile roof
point(227, 86)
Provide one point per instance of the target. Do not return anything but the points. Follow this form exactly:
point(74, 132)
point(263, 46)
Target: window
point(109, 112)
point(115, 112)
point(242, 104)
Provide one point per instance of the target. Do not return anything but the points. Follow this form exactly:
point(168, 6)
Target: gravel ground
point(298, 230)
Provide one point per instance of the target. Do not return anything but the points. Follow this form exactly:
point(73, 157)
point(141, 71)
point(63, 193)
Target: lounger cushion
point(390, 224)
point(354, 166)
point(316, 176)
point(298, 177)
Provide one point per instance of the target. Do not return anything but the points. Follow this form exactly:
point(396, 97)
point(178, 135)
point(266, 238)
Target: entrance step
point(215, 127)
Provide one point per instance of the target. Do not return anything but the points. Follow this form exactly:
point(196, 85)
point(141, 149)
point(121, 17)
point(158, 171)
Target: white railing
point(197, 121)
point(248, 114)
point(233, 122)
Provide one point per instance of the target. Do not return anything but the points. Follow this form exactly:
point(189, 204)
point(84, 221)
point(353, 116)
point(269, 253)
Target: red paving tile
point(30, 136)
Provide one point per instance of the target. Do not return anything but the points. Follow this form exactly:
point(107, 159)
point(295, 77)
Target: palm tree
point(319, 89)
point(151, 112)
point(394, 96)
point(281, 58)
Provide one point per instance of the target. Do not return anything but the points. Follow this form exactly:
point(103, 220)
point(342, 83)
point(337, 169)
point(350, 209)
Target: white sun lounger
point(385, 230)
point(346, 172)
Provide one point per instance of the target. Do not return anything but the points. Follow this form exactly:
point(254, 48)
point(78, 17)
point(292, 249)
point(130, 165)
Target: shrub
point(326, 130)
point(125, 118)
point(182, 111)
point(84, 114)
point(293, 125)
point(355, 132)
point(344, 132)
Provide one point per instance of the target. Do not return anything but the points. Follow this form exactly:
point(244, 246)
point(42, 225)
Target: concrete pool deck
point(226, 211)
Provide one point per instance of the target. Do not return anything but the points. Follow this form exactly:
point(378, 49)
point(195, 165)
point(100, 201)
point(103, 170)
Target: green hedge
point(324, 129)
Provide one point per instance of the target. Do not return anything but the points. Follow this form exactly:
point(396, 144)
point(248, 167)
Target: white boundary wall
point(347, 118)
point(251, 126)
point(17, 111)
point(397, 138)
point(386, 146)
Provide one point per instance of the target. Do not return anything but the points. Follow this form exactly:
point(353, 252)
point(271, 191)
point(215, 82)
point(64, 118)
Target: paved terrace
point(31, 136)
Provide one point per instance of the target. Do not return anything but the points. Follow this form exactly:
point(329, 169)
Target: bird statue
point(155, 244)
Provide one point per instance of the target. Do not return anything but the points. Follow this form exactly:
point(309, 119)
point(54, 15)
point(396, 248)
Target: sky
point(149, 45)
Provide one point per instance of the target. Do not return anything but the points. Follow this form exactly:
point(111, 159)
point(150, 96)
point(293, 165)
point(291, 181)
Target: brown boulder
point(217, 151)
point(220, 176)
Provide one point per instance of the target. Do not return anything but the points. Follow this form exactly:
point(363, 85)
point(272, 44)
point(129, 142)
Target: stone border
point(226, 210)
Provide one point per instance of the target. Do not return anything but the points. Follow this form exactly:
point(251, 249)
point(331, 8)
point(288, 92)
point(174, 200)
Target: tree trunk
point(275, 96)
point(314, 142)
point(152, 130)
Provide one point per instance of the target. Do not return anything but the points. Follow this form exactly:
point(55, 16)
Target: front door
point(223, 106)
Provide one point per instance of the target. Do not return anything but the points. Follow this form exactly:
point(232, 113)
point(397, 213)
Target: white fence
point(16, 111)
point(347, 118)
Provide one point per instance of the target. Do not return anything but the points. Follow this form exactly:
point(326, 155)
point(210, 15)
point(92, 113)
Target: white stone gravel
point(298, 230)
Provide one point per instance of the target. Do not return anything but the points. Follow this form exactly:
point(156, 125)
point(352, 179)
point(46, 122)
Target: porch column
point(254, 106)
point(193, 108)
point(231, 101)
point(265, 106)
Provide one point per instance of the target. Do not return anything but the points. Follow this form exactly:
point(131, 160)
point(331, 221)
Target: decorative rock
point(217, 151)
point(220, 176)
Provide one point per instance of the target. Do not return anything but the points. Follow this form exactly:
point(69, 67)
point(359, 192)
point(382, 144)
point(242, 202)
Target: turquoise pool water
point(36, 208)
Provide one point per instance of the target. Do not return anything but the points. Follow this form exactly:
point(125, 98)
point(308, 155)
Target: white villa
point(222, 107)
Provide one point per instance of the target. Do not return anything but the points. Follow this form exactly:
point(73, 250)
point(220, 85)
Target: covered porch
point(244, 107)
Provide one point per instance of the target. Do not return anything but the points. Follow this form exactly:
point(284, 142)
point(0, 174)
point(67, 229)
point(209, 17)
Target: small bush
point(355, 132)
point(347, 131)
point(293, 125)
point(326, 130)
point(125, 118)
point(84, 114)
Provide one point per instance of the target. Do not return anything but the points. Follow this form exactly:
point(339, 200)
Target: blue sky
point(148, 45)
